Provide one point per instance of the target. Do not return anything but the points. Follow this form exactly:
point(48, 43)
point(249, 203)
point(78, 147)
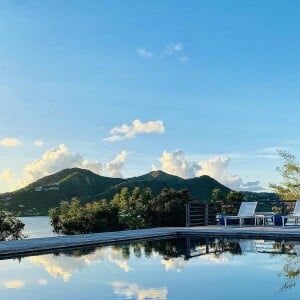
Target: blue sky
point(219, 80)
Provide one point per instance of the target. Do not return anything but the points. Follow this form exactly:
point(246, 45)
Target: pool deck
point(51, 244)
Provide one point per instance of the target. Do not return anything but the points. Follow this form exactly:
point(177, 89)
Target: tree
point(132, 207)
point(169, 208)
point(217, 196)
point(235, 196)
point(289, 189)
point(232, 202)
point(126, 211)
point(10, 227)
point(74, 218)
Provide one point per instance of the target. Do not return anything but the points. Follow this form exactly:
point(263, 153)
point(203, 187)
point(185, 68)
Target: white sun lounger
point(246, 211)
point(295, 216)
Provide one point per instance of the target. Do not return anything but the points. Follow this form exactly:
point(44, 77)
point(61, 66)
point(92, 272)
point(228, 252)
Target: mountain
point(49, 191)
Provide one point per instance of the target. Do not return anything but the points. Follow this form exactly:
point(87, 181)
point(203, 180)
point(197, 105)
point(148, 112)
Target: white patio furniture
point(264, 218)
point(246, 211)
point(294, 216)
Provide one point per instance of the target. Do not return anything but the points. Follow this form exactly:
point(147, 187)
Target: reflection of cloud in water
point(115, 256)
point(177, 264)
point(224, 258)
point(130, 290)
point(64, 266)
point(14, 284)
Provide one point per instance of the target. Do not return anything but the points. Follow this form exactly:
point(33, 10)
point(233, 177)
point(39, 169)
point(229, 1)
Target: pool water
point(185, 268)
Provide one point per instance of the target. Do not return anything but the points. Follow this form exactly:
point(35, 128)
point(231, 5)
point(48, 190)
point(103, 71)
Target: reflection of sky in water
point(137, 273)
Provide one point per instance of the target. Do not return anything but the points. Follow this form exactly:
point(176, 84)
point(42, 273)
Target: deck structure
point(28, 247)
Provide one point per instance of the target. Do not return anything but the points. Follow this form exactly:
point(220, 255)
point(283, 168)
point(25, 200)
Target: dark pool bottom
point(184, 268)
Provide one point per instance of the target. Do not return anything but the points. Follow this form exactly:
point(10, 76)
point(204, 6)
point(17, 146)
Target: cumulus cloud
point(38, 143)
point(114, 167)
point(144, 53)
point(170, 49)
point(14, 284)
point(130, 290)
point(125, 131)
point(216, 167)
point(7, 176)
point(177, 164)
point(10, 142)
point(54, 160)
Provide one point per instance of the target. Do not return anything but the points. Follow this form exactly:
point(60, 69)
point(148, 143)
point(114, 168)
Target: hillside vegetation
point(38, 197)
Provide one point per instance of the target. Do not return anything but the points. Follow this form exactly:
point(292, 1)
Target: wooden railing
point(203, 214)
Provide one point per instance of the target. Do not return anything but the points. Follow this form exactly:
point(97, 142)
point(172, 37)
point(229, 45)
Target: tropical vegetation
point(289, 188)
point(10, 227)
point(126, 211)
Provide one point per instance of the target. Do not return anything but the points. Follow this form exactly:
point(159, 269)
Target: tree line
point(126, 211)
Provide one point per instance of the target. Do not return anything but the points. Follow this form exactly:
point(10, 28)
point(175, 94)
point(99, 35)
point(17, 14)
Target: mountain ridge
point(37, 197)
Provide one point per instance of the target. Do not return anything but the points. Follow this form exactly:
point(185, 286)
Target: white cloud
point(217, 166)
point(270, 150)
point(14, 284)
point(144, 53)
point(7, 176)
point(38, 143)
point(175, 263)
point(114, 167)
point(184, 58)
point(177, 164)
point(54, 160)
point(267, 153)
point(137, 127)
point(42, 281)
point(130, 290)
point(170, 49)
point(10, 142)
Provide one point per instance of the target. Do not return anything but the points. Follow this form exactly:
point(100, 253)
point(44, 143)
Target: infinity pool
point(186, 268)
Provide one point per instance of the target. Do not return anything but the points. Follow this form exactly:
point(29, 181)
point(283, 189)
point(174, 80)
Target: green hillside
point(47, 192)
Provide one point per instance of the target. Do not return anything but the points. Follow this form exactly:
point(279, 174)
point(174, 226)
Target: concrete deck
point(47, 245)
